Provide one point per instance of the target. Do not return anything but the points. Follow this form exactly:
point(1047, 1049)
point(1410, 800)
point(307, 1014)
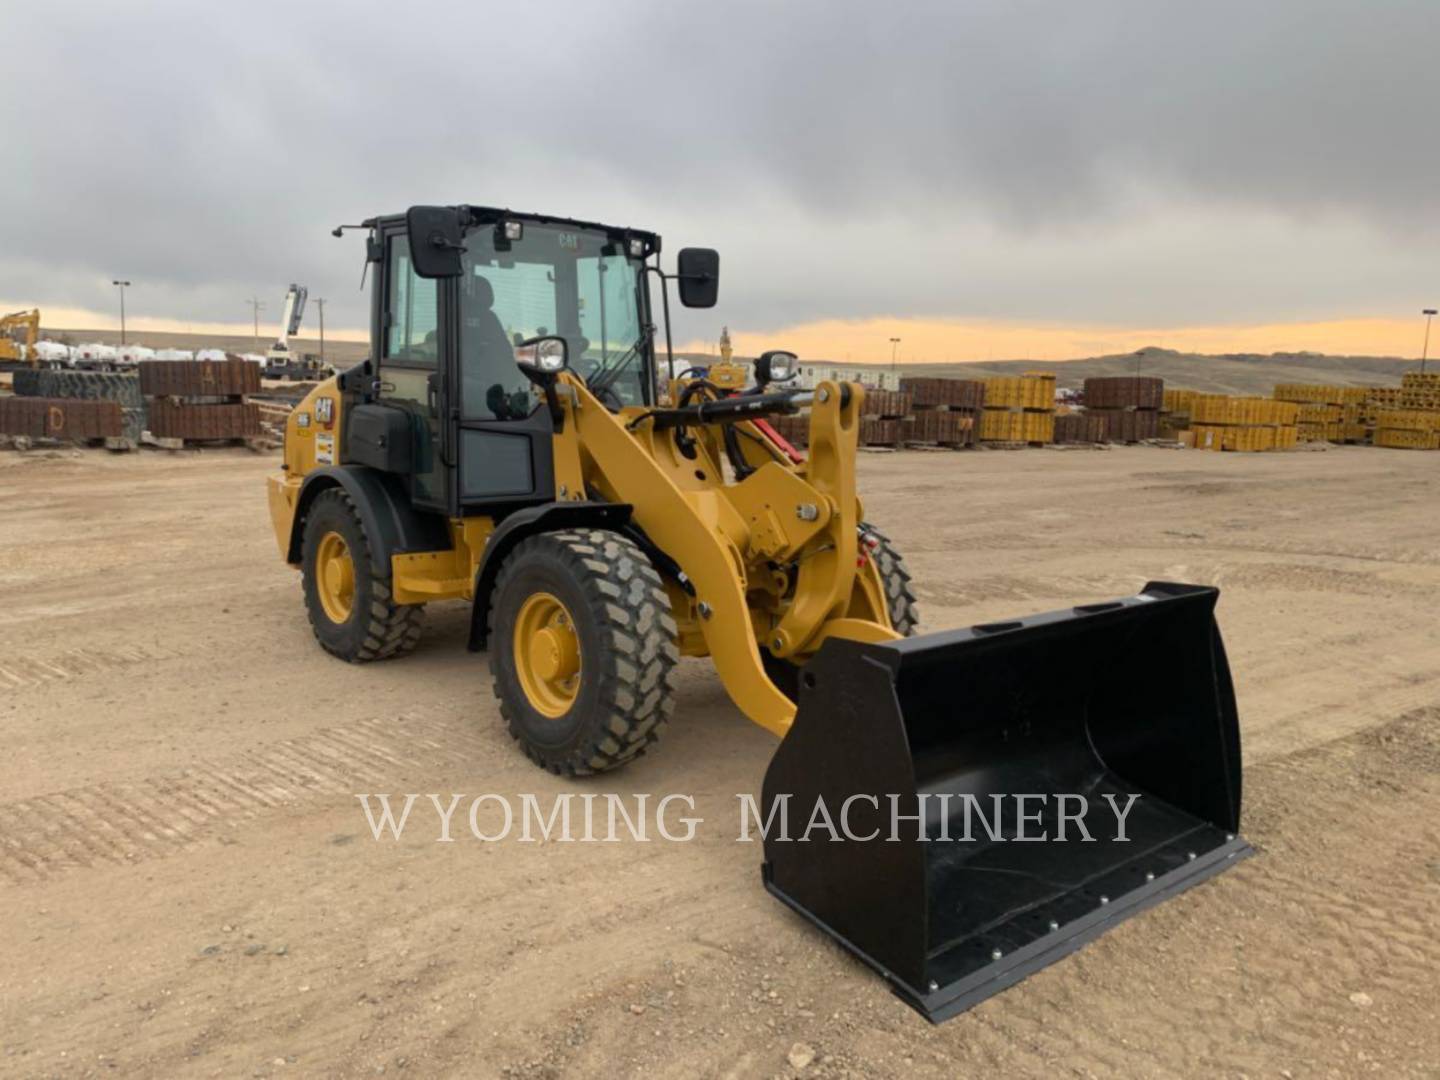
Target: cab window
point(412, 310)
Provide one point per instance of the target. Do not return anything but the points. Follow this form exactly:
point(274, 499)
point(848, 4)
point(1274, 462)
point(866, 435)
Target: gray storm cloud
point(1139, 163)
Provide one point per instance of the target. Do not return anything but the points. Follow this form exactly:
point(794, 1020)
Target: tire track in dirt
point(126, 823)
point(20, 671)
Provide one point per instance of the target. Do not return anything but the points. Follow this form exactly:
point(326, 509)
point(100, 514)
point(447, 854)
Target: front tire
point(351, 608)
point(583, 650)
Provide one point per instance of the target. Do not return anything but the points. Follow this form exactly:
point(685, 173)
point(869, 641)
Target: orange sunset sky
point(935, 340)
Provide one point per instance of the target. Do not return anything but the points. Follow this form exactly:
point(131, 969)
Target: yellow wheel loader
point(514, 443)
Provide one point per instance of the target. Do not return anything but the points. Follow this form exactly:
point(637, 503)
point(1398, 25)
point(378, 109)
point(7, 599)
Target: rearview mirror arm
point(665, 280)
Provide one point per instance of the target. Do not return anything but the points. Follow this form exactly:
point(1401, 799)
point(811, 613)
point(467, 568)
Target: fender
point(392, 524)
point(522, 523)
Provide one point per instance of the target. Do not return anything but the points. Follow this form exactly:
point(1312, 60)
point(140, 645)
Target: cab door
point(412, 333)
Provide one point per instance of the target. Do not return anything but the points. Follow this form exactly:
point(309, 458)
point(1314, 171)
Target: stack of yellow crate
point(1019, 408)
point(1175, 413)
point(1179, 401)
point(1407, 417)
point(1333, 413)
point(1242, 423)
point(1408, 429)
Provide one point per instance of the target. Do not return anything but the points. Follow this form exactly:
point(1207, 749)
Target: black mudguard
point(1131, 697)
point(393, 525)
point(527, 522)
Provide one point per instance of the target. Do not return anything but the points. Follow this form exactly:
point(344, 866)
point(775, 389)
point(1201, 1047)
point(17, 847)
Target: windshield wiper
point(608, 373)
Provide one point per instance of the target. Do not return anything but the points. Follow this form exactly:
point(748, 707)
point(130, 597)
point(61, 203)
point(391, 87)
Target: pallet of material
point(1220, 409)
point(1016, 426)
point(1129, 425)
point(1032, 391)
point(1172, 424)
point(878, 431)
point(1407, 420)
point(940, 428)
point(61, 418)
point(1405, 397)
point(1407, 439)
point(1086, 427)
point(177, 420)
point(1320, 394)
point(198, 378)
point(1420, 380)
point(1245, 438)
point(932, 393)
point(885, 403)
point(1124, 392)
point(1312, 413)
point(1177, 401)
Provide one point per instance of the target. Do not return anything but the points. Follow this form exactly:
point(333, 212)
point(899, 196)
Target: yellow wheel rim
point(547, 654)
point(335, 577)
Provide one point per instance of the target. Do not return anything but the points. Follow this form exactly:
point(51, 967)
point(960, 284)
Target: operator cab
point(456, 290)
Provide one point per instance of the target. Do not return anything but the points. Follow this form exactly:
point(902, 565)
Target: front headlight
point(776, 366)
point(545, 354)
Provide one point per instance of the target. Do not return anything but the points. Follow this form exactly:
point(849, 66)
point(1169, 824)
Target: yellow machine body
point(725, 536)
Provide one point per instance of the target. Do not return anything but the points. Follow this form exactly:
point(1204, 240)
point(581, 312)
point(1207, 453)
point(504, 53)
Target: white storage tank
point(52, 352)
point(130, 355)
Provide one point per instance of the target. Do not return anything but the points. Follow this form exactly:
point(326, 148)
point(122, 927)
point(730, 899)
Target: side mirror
point(776, 366)
point(435, 240)
point(698, 270)
point(542, 358)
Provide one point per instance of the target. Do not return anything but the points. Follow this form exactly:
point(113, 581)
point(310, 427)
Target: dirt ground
point(189, 886)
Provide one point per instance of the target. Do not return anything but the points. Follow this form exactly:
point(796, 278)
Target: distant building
point(812, 375)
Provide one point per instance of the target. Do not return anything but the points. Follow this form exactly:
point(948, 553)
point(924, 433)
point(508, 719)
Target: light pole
point(121, 285)
point(255, 305)
point(894, 347)
point(320, 303)
point(1429, 314)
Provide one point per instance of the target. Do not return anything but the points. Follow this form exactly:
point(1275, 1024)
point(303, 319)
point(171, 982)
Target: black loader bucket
point(949, 767)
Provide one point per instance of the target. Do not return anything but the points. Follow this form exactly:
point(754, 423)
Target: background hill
point(1233, 373)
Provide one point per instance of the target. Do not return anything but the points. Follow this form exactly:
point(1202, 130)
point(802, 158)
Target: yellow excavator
point(19, 331)
point(515, 443)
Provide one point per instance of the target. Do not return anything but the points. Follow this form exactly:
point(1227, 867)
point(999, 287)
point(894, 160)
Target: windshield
point(553, 281)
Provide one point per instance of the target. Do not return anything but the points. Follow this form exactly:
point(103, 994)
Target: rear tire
point(358, 622)
point(899, 596)
point(583, 649)
point(899, 602)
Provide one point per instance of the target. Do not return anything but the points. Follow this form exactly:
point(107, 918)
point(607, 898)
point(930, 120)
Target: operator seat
point(486, 356)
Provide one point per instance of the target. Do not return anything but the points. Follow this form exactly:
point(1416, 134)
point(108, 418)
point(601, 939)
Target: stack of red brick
point(61, 418)
point(201, 399)
point(947, 411)
point(933, 393)
point(942, 428)
point(1129, 404)
point(1083, 427)
point(173, 419)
